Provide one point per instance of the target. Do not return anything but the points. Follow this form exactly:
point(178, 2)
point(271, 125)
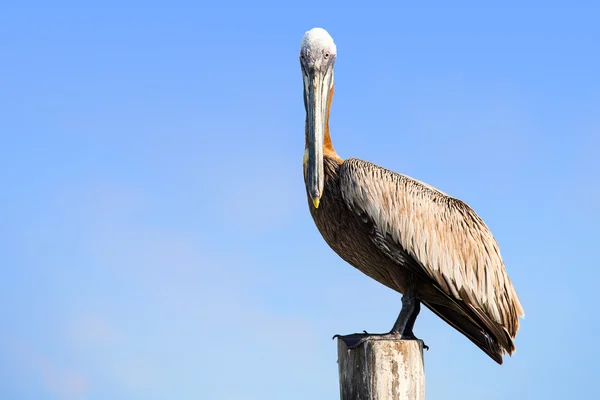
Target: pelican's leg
point(402, 328)
point(407, 333)
point(406, 313)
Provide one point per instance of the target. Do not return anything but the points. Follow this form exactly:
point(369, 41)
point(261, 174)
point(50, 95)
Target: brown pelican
point(432, 248)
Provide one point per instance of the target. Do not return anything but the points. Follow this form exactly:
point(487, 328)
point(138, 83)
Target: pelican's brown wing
point(446, 241)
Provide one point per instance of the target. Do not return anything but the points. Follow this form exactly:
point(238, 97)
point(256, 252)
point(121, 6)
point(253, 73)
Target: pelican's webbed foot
point(354, 340)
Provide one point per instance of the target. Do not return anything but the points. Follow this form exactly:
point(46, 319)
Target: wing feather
point(449, 242)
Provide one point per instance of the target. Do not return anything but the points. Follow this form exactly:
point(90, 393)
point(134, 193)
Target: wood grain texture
point(382, 370)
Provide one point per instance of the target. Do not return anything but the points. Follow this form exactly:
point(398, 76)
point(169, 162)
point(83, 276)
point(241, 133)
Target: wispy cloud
point(93, 329)
point(63, 382)
point(174, 302)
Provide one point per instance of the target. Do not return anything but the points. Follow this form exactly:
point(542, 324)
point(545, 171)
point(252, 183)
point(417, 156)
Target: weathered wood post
point(381, 369)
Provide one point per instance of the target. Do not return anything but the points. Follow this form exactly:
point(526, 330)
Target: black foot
point(353, 340)
point(411, 336)
point(337, 335)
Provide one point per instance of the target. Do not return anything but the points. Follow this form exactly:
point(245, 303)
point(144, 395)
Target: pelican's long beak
point(316, 91)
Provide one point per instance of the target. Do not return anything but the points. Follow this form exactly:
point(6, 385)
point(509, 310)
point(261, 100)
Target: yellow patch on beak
point(316, 202)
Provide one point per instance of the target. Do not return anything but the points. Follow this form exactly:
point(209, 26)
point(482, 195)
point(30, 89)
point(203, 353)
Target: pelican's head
point(317, 56)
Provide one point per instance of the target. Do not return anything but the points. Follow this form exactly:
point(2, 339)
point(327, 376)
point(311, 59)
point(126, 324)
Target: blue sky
point(155, 237)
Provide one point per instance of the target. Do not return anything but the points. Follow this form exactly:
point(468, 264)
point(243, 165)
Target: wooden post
point(381, 369)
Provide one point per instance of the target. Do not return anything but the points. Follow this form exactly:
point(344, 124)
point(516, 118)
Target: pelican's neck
point(328, 150)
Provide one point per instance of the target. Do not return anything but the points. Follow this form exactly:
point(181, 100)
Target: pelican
point(407, 235)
